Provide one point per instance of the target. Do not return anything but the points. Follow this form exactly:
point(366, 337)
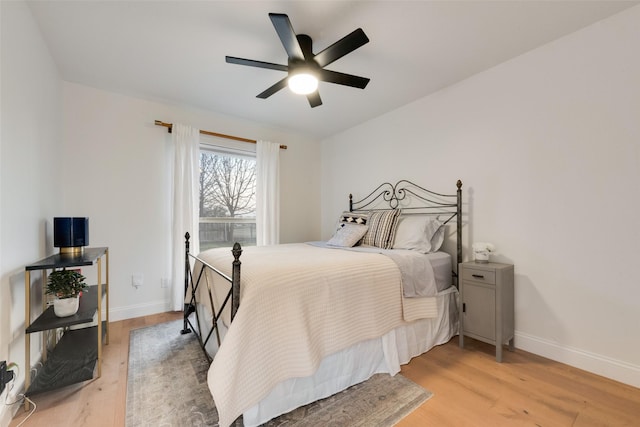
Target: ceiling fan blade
point(253, 63)
point(287, 36)
point(273, 89)
point(314, 99)
point(343, 79)
point(345, 45)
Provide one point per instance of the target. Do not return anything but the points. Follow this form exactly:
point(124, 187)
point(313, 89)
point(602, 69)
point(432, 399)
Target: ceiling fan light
point(303, 83)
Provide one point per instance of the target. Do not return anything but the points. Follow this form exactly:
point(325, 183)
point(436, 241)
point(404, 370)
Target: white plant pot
point(481, 256)
point(66, 306)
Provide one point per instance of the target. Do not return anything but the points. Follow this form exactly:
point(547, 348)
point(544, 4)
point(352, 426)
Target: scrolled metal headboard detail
point(393, 195)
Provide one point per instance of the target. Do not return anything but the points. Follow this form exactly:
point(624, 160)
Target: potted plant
point(66, 286)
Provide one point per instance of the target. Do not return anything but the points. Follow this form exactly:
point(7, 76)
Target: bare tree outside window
point(227, 199)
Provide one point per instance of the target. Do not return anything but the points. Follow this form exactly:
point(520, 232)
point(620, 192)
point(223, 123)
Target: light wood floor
point(470, 389)
point(96, 403)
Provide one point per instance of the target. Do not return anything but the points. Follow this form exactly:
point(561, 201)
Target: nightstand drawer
point(479, 275)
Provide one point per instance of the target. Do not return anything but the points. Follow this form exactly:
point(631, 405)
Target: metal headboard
point(414, 199)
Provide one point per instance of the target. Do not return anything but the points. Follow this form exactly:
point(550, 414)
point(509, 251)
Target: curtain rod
point(169, 126)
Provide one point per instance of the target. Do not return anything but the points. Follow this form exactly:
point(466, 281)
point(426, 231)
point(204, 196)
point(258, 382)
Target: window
point(227, 197)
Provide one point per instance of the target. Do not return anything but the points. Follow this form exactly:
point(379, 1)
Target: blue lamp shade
point(70, 232)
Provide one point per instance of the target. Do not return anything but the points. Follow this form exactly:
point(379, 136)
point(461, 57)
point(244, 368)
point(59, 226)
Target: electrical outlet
point(164, 283)
point(136, 280)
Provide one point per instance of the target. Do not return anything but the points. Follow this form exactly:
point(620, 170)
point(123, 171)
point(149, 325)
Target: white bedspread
point(300, 303)
point(418, 278)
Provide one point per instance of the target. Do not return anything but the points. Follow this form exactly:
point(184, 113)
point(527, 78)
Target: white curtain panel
point(267, 193)
point(185, 215)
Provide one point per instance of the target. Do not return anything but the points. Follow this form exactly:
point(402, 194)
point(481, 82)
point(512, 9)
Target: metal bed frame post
point(235, 279)
point(188, 307)
point(458, 231)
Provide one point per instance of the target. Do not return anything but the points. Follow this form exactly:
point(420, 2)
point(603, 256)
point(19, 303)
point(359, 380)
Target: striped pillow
point(382, 228)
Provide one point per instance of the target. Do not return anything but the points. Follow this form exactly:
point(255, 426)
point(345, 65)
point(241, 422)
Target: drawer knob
point(478, 276)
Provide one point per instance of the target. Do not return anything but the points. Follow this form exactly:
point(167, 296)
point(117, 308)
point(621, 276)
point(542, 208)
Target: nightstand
point(486, 298)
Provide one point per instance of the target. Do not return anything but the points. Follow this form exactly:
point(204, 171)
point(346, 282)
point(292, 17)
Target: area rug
point(167, 386)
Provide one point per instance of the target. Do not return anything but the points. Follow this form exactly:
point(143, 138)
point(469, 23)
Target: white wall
point(30, 141)
point(116, 170)
point(548, 148)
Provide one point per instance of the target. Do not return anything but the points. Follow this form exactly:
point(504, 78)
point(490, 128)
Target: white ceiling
point(174, 51)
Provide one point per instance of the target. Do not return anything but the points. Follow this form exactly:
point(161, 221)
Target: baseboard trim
point(139, 310)
point(614, 369)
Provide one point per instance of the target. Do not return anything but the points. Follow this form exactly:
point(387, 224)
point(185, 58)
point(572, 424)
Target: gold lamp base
point(72, 250)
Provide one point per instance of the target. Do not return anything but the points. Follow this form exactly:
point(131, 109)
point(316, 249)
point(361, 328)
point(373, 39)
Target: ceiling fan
point(305, 68)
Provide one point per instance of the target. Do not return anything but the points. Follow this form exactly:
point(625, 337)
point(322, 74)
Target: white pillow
point(435, 232)
point(418, 233)
point(348, 235)
point(411, 235)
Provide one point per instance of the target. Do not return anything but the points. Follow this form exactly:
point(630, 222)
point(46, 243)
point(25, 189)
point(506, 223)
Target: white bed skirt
point(356, 363)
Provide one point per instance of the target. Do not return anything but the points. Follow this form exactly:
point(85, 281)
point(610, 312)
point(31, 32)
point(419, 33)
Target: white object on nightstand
point(481, 252)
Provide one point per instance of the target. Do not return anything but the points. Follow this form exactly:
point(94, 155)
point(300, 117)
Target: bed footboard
point(195, 275)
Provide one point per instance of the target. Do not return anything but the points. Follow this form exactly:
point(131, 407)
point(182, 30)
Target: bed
point(289, 324)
